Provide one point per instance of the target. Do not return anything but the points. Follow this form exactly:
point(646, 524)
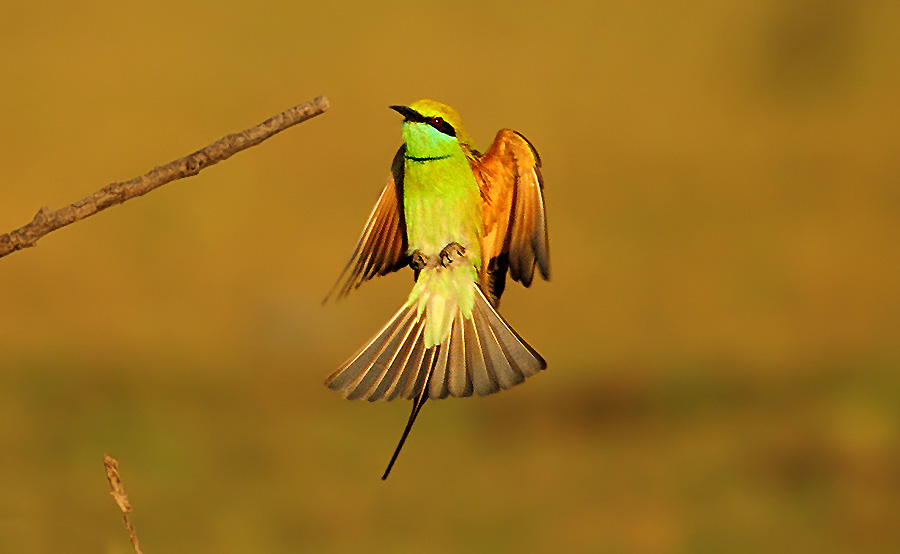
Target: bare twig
point(117, 490)
point(115, 193)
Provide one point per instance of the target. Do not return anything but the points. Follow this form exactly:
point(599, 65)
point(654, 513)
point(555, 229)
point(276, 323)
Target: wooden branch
point(115, 193)
point(117, 490)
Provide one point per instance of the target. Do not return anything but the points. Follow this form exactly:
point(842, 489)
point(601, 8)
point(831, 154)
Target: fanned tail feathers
point(481, 354)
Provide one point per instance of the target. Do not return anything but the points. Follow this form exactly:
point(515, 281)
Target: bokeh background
point(722, 327)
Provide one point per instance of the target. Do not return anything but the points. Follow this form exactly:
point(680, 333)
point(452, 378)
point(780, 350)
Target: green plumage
point(442, 204)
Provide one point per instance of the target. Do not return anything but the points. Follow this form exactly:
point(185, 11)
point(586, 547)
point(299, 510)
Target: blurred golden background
point(722, 327)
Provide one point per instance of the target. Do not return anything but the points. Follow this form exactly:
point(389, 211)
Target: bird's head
point(432, 129)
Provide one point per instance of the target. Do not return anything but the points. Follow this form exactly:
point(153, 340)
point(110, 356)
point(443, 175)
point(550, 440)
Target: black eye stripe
point(435, 121)
point(441, 125)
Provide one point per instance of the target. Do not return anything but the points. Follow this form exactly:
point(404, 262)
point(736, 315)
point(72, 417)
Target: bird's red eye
point(438, 123)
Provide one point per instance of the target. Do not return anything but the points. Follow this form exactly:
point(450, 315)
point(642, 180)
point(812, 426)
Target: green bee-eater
point(461, 220)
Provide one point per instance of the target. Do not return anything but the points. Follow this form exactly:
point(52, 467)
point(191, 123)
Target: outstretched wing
point(515, 225)
point(382, 247)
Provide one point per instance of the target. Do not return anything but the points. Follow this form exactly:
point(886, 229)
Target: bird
point(462, 221)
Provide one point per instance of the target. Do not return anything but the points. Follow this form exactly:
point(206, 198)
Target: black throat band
point(426, 159)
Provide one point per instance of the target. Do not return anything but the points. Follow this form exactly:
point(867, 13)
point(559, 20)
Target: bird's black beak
point(408, 113)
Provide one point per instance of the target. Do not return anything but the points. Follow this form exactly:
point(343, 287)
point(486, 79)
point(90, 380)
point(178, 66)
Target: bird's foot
point(451, 253)
point(418, 261)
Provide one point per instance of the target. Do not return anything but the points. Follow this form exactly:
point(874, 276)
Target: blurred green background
point(722, 327)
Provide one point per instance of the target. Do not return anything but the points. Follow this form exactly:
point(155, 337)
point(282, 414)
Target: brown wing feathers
point(382, 247)
point(515, 224)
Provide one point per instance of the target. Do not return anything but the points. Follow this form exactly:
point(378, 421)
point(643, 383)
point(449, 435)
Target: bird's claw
point(451, 252)
point(418, 261)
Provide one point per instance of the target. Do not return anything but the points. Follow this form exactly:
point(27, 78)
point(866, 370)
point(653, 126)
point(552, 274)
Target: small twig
point(115, 193)
point(117, 490)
